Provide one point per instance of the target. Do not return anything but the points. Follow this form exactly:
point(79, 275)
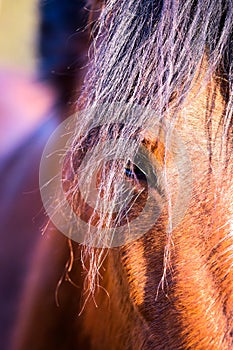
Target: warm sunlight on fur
point(172, 288)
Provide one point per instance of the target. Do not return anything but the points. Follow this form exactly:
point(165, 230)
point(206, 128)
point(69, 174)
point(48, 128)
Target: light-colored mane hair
point(147, 53)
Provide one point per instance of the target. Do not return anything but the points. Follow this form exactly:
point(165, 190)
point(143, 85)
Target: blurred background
point(19, 22)
point(43, 53)
point(18, 32)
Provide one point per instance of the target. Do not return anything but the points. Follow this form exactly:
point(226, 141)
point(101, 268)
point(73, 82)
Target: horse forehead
point(198, 124)
point(204, 104)
point(199, 121)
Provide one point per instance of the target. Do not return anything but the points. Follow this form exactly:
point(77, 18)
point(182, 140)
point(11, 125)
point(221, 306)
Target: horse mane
point(149, 53)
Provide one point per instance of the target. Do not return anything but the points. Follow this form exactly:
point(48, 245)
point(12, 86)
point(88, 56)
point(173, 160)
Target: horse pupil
point(134, 172)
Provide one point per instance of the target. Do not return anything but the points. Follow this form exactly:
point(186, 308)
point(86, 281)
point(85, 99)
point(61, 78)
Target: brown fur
point(146, 299)
point(132, 309)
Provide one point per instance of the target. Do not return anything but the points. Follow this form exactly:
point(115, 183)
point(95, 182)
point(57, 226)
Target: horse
point(159, 86)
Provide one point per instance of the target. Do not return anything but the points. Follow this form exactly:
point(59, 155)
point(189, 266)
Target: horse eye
point(133, 172)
